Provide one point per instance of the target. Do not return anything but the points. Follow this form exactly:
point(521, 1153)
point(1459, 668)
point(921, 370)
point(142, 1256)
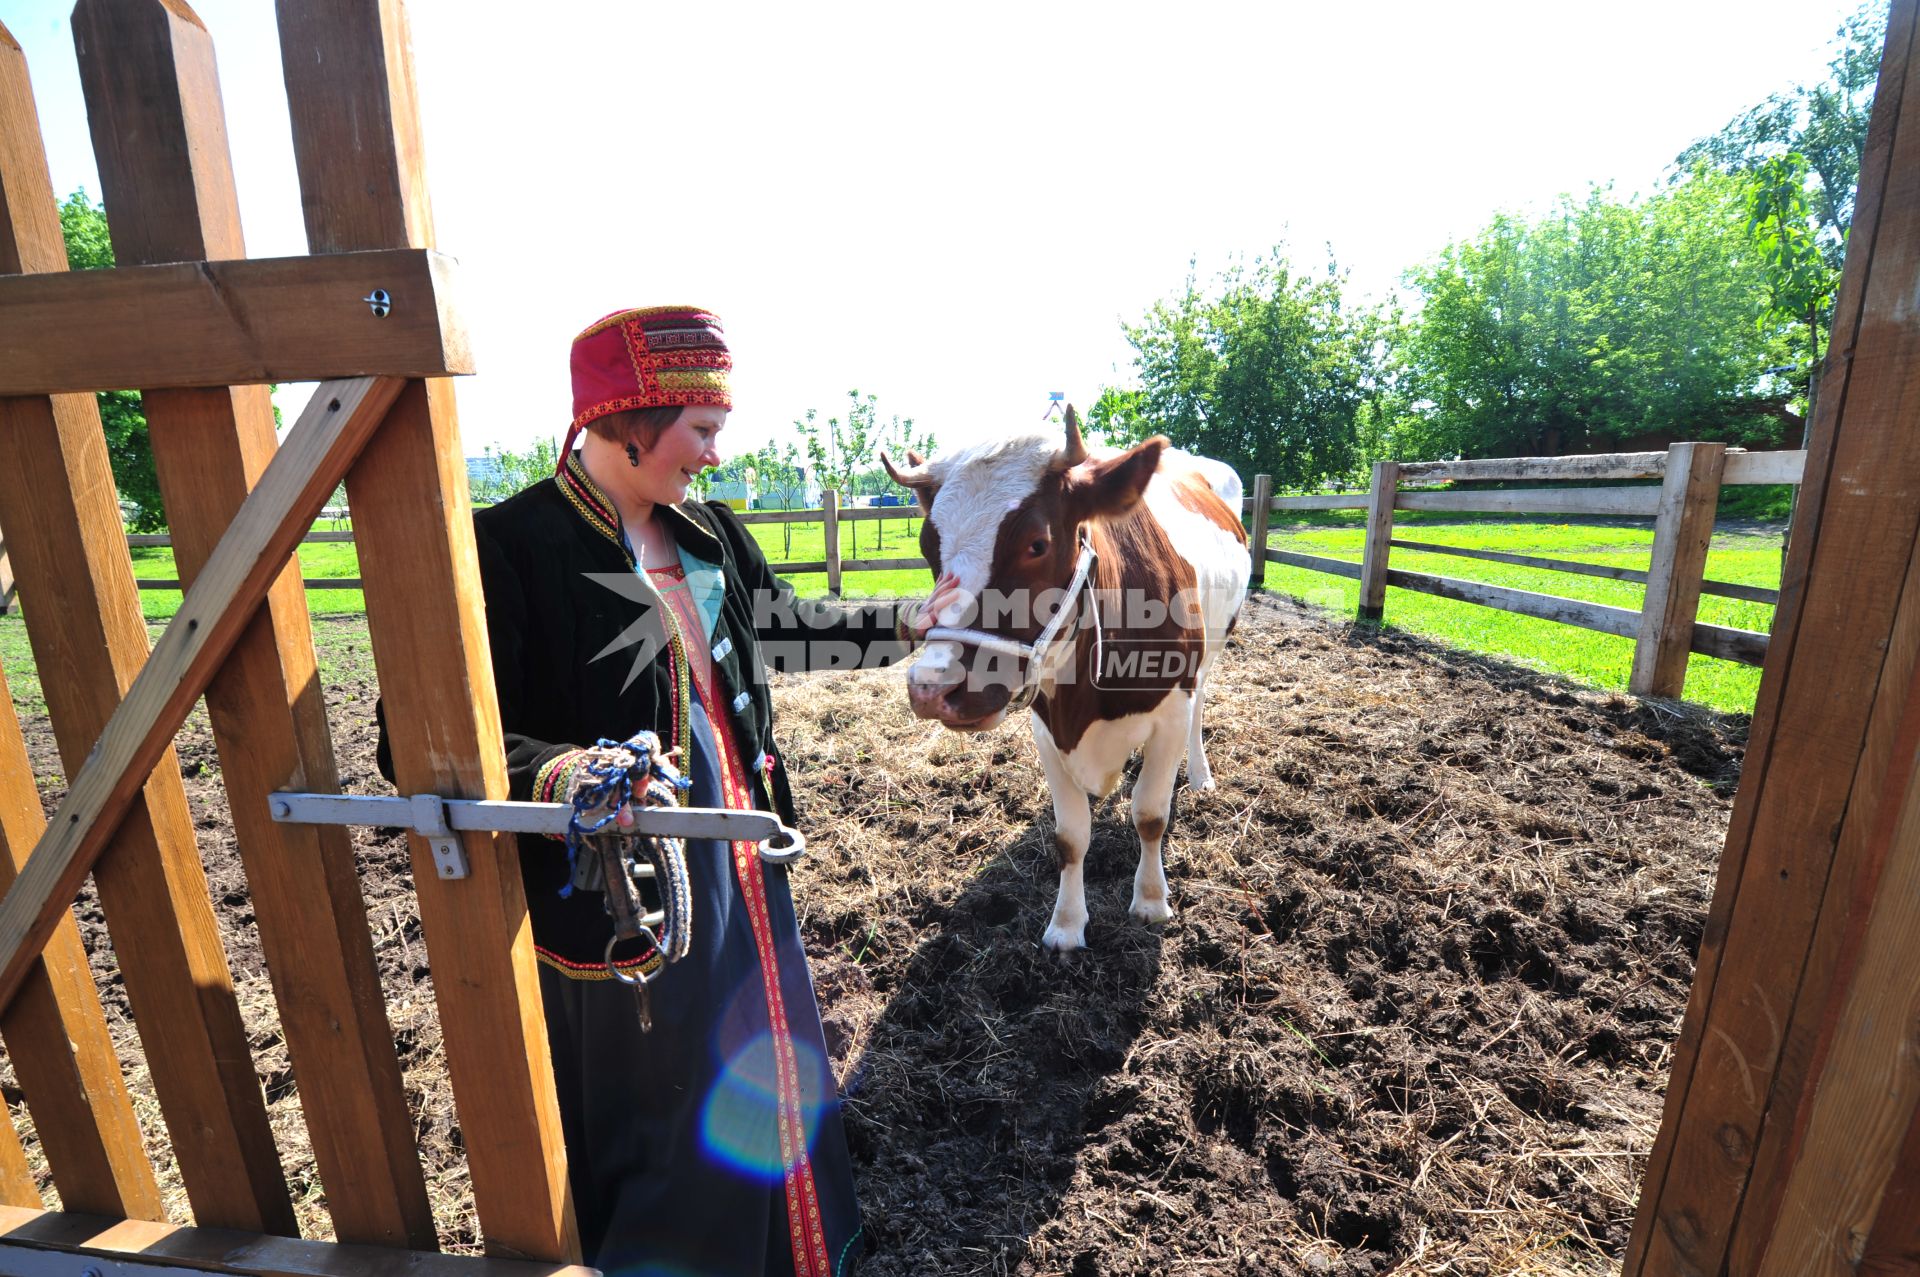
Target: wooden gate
point(201, 330)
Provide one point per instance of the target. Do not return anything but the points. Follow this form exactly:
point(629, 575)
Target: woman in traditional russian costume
point(710, 1142)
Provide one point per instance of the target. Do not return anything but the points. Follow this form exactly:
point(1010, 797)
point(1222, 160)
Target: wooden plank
point(160, 140)
point(1764, 467)
point(1893, 1245)
point(1382, 497)
point(787, 567)
point(1348, 501)
point(1608, 466)
point(1618, 502)
point(868, 514)
point(831, 529)
point(1748, 647)
point(215, 323)
point(211, 1250)
point(57, 1038)
point(782, 516)
point(1868, 1088)
point(1548, 607)
point(309, 583)
point(143, 540)
point(882, 565)
point(107, 778)
point(1682, 529)
point(350, 94)
point(1316, 563)
point(1745, 1047)
point(58, 503)
point(1725, 589)
point(1257, 542)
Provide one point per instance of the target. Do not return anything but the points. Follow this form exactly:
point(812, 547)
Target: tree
point(1599, 321)
point(840, 450)
point(1268, 372)
point(83, 225)
point(1825, 123)
point(1800, 283)
point(510, 470)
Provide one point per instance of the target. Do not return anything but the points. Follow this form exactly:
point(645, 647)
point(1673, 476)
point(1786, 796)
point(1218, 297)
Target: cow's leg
point(1199, 773)
point(1072, 832)
point(1152, 803)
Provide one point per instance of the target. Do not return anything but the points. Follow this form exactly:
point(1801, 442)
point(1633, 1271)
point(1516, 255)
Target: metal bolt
point(379, 302)
point(282, 810)
point(91, 1271)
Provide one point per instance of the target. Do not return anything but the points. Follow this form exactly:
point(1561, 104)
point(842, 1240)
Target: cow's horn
point(1076, 450)
point(914, 476)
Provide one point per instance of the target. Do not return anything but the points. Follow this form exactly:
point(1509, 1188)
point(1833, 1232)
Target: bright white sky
point(955, 207)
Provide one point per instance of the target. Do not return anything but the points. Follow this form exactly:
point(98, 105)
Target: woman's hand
point(946, 594)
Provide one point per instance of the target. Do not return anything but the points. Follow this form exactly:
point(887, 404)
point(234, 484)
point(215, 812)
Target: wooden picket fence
point(1665, 629)
point(201, 330)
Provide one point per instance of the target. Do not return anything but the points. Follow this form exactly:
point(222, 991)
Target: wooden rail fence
point(1665, 629)
point(830, 516)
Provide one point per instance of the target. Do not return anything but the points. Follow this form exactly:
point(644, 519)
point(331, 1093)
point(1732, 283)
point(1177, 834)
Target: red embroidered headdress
point(654, 357)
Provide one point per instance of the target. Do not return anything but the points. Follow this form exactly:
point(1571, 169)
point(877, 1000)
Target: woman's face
point(683, 450)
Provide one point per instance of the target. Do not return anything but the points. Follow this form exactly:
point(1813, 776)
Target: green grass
point(1584, 656)
point(1600, 660)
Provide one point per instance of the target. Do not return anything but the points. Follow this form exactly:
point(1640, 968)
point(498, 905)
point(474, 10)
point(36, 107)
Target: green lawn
point(1601, 660)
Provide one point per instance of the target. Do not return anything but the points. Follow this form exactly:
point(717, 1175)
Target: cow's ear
point(1113, 485)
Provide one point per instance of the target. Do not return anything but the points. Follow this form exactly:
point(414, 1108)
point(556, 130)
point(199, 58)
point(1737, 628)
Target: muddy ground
point(1414, 1014)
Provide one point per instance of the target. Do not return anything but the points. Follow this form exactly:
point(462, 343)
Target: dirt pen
point(1455, 986)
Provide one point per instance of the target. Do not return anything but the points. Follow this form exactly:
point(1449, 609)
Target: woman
point(711, 1143)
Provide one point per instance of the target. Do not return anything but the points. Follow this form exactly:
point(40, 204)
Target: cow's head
point(1004, 519)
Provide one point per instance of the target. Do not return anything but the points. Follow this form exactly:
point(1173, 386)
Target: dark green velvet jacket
point(579, 654)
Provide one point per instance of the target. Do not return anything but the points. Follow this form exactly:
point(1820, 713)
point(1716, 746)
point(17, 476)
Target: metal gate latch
point(441, 820)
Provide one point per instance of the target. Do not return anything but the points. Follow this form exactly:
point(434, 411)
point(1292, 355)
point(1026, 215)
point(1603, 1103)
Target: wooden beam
point(213, 1250)
point(217, 323)
point(107, 779)
point(1327, 501)
point(1381, 499)
point(58, 504)
point(1841, 659)
point(57, 1038)
point(1682, 531)
point(1316, 563)
point(1868, 1071)
point(1616, 502)
point(1257, 539)
point(153, 98)
point(1724, 589)
point(1610, 466)
point(1763, 467)
point(1548, 607)
point(356, 142)
point(830, 538)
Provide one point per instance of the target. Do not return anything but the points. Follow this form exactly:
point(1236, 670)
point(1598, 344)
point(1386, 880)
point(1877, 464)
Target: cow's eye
point(1038, 548)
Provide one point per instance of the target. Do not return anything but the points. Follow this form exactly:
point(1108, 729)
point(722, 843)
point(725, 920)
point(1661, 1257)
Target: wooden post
point(58, 503)
point(830, 512)
point(1819, 828)
point(153, 99)
point(357, 146)
point(1373, 565)
point(1257, 543)
point(1682, 531)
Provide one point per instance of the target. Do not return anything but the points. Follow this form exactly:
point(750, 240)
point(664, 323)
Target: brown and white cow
point(1116, 665)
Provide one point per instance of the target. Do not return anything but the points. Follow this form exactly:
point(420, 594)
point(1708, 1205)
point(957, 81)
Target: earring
point(633, 456)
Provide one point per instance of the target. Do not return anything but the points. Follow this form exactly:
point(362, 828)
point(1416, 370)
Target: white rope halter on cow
point(1034, 653)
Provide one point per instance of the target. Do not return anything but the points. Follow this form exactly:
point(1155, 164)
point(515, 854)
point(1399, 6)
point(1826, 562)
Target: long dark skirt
point(674, 1136)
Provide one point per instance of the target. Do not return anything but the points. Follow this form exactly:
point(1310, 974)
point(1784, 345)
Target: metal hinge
point(439, 820)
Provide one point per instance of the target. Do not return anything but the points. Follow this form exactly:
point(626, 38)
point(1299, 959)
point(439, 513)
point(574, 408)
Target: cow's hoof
point(1065, 939)
point(1207, 783)
point(1151, 910)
